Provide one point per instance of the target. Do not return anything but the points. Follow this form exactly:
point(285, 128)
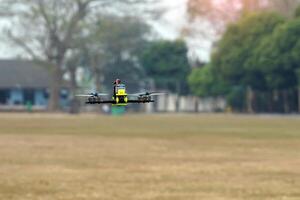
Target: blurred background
point(207, 55)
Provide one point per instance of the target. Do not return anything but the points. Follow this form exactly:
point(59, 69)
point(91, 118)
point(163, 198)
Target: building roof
point(23, 74)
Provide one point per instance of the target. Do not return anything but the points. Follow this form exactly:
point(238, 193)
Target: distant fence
point(165, 103)
point(175, 103)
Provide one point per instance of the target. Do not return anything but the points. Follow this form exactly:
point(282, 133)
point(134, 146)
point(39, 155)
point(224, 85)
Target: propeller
point(83, 95)
point(91, 95)
point(156, 93)
point(148, 94)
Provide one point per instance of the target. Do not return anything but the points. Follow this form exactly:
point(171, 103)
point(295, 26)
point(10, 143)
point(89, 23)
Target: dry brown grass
point(161, 157)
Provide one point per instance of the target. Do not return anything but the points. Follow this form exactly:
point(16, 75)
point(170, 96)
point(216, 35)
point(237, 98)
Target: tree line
point(105, 38)
point(255, 65)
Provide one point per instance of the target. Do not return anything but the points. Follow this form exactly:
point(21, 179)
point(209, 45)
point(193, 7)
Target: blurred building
point(25, 85)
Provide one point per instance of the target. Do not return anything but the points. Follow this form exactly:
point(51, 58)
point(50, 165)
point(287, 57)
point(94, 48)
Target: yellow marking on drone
point(120, 104)
point(121, 92)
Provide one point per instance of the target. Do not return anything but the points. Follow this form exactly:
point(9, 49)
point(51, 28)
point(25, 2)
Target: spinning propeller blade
point(156, 94)
point(83, 95)
point(91, 95)
point(148, 94)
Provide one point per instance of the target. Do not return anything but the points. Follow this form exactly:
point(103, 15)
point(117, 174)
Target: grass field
point(149, 157)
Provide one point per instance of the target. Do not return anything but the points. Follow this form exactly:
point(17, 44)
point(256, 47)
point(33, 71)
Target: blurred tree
point(47, 31)
point(237, 53)
point(115, 54)
point(167, 63)
point(205, 82)
point(72, 63)
point(298, 77)
point(297, 12)
point(278, 58)
point(284, 7)
point(233, 57)
point(236, 98)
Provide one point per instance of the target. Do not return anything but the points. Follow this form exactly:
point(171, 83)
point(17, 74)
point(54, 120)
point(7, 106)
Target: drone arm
point(140, 101)
point(100, 102)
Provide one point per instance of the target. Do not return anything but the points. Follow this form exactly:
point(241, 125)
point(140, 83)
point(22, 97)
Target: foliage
point(297, 12)
point(115, 52)
point(167, 63)
point(51, 31)
point(278, 56)
point(259, 52)
point(233, 58)
point(236, 98)
point(206, 82)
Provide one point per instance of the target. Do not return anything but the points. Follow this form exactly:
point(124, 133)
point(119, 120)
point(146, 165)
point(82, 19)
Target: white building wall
point(167, 103)
point(171, 106)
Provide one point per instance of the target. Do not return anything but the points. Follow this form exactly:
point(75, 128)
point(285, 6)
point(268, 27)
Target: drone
point(119, 96)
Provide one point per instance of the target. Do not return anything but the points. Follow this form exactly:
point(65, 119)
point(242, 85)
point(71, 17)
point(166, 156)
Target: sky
point(173, 20)
point(172, 23)
point(169, 27)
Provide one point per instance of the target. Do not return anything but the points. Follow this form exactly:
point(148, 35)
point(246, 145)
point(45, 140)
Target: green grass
point(163, 157)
